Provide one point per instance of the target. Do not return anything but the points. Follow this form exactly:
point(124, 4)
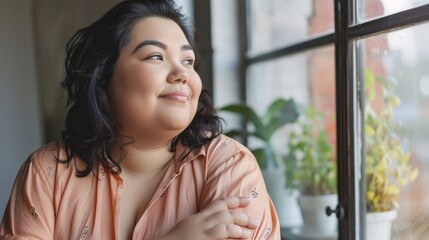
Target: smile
point(178, 96)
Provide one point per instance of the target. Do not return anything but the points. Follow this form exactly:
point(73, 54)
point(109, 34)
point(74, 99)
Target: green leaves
point(280, 112)
point(309, 164)
point(247, 114)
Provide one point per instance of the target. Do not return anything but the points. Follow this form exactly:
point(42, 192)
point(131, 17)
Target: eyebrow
point(159, 44)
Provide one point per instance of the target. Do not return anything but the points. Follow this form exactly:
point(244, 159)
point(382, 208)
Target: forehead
point(157, 28)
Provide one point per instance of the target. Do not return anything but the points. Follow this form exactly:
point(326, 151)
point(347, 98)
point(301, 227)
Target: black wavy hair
point(90, 129)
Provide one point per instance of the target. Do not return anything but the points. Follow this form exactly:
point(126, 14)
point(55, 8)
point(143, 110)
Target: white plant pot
point(313, 209)
point(379, 225)
point(291, 215)
point(285, 200)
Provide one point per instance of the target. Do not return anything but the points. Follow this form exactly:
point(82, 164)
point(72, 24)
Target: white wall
point(20, 122)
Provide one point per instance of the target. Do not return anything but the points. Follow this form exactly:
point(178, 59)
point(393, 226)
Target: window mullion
point(344, 121)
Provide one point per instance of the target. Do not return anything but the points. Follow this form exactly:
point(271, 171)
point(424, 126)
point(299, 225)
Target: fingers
point(235, 202)
point(226, 203)
point(244, 220)
point(224, 222)
point(232, 217)
point(221, 219)
point(230, 231)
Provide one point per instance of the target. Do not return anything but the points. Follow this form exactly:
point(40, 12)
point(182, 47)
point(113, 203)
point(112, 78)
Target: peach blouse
point(48, 201)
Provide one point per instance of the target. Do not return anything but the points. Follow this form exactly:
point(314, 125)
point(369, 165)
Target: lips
point(178, 96)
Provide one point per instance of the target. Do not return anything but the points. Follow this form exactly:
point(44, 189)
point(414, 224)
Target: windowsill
point(286, 234)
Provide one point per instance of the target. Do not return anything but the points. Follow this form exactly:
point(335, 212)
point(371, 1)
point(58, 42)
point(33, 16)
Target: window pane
point(370, 9)
point(277, 23)
point(225, 58)
point(396, 79)
point(188, 8)
point(309, 79)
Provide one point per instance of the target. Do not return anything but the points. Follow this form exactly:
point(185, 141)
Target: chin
point(176, 125)
point(175, 120)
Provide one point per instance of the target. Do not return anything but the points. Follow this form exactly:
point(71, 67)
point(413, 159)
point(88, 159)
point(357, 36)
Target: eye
point(189, 61)
point(157, 57)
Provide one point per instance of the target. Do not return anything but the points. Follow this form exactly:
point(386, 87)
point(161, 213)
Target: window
point(269, 19)
point(363, 64)
point(371, 9)
point(395, 79)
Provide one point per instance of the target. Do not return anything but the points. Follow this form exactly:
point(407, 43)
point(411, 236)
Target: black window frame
point(348, 94)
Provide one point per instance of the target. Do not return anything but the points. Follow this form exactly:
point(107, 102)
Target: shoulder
point(225, 145)
point(38, 172)
point(47, 163)
point(50, 158)
point(224, 150)
point(46, 156)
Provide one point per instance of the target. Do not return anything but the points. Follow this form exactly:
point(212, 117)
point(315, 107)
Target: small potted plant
point(387, 164)
point(311, 169)
point(262, 127)
point(280, 112)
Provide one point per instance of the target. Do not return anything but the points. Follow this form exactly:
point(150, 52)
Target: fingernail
point(247, 233)
point(254, 222)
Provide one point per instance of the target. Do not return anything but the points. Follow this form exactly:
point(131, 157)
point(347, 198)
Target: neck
point(145, 160)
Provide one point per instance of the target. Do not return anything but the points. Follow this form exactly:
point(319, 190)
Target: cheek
point(196, 86)
point(126, 91)
point(139, 84)
point(197, 93)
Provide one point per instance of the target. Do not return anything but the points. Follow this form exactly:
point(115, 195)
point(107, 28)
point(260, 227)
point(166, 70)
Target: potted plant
point(387, 164)
point(280, 112)
point(310, 167)
point(262, 127)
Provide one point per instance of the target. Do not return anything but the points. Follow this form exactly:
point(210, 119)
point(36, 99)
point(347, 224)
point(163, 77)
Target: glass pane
point(225, 58)
point(277, 23)
point(306, 148)
point(370, 9)
point(396, 84)
point(188, 8)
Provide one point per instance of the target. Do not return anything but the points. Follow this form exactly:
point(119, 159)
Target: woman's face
point(155, 89)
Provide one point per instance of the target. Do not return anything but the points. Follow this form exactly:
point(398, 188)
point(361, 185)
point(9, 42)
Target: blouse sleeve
point(30, 212)
point(233, 171)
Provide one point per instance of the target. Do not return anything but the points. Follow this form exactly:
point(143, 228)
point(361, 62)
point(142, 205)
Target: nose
point(177, 74)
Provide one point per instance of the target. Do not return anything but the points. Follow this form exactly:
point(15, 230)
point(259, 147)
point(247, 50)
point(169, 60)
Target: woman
point(142, 155)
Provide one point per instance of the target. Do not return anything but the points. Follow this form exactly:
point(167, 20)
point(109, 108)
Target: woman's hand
point(217, 221)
